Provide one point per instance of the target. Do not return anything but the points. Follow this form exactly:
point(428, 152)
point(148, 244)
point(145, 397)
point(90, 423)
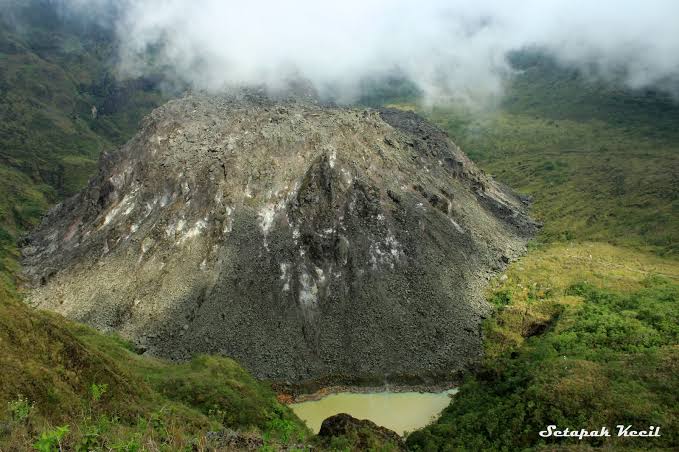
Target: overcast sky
point(453, 47)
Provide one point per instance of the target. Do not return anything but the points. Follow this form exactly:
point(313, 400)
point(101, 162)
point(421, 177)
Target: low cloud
point(449, 49)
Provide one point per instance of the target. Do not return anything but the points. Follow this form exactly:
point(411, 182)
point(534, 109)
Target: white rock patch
point(308, 293)
point(266, 216)
point(387, 252)
point(228, 222)
point(195, 230)
point(126, 206)
point(285, 276)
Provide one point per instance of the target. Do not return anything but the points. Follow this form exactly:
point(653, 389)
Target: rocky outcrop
point(361, 434)
point(306, 241)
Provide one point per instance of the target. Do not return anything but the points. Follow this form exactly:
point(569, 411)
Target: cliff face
point(305, 241)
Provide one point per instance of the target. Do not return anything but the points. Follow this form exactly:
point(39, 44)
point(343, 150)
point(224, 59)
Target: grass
point(585, 335)
point(60, 374)
point(585, 327)
point(535, 294)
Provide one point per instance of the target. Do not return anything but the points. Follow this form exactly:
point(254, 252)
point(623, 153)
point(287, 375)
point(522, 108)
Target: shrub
point(19, 409)
point(97, 391)
point(50, 441)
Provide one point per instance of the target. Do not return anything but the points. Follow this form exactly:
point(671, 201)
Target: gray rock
point(273, 231)
point(363, 432)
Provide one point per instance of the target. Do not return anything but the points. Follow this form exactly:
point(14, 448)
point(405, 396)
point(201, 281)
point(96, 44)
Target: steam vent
point(309, 242)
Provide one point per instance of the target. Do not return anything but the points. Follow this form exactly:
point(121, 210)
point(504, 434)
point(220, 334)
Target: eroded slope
point(306, 241)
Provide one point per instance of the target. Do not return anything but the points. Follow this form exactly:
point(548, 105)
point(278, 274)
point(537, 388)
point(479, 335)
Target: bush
point(97, 391)
point(19, 409)
point(591, 370)
point(50, 441)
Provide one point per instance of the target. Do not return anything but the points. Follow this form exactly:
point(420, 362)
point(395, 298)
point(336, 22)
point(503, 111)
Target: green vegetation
point(19, 409)
point(51, 441)
point(64, 383)
point(53, 71)
point(585, 336)
point(585, 331)
point(360, 440)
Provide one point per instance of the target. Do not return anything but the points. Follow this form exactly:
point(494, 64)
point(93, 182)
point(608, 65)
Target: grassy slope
point(50, 364)
point(585, 332)
point(585, 335)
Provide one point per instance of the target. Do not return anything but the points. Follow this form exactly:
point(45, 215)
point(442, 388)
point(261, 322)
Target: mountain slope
point(601, 161)
point(53, 71)
point(57, 373)
point(306, 241)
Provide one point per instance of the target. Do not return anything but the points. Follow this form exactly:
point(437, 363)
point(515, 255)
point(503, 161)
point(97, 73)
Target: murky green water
point(398, 411)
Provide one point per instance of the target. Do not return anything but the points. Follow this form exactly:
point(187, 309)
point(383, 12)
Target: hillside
point(54, 71)
point(301, 239)
point(584, 335)
point(585, 330)
point(601, 161)
point(66, 385)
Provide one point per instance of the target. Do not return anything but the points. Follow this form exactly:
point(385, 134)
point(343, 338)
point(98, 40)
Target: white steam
point(448, 48)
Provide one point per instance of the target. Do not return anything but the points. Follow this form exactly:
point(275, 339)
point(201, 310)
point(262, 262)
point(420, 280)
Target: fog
point(449, 49)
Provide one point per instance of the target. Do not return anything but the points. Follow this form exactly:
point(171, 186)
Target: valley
point(580, 331)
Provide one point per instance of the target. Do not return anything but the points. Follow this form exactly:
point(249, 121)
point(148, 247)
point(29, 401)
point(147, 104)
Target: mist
point(453, 49)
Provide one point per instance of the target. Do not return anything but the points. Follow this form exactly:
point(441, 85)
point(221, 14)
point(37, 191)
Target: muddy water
point(398, 411)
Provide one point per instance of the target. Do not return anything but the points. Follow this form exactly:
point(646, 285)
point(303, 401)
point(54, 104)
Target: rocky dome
point(306, 241)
